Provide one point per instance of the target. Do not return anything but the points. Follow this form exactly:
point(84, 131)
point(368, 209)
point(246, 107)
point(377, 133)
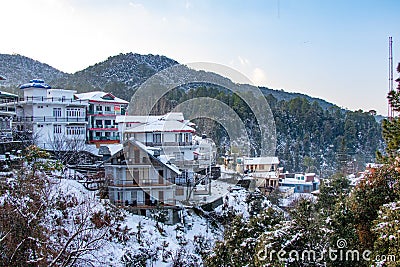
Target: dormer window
point(108, 97)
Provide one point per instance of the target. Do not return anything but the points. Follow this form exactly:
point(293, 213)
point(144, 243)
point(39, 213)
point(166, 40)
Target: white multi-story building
point(102, 111)
point(53, 117)
point(160, 163)
point(6, 115)
point(264, 170)
point(170, 132)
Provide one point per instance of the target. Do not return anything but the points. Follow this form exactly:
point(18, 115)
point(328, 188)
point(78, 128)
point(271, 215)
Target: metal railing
point(91, 112)
point(105, 126)
point(36, 99)
point(49, 119)
point(104, 138)
point(168, 143)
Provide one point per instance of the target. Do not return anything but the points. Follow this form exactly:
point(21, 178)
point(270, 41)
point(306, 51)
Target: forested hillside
point(309, 137)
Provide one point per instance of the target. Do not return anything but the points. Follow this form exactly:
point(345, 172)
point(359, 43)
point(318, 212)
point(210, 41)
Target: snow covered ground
point(287, 202)
point(163, 244)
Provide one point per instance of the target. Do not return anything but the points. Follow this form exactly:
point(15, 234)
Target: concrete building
point(53, 118)
point(102, 111)
point(301, 182)
point(6, 116)
point(160, 163)
point(141, 179)
point(169, 132)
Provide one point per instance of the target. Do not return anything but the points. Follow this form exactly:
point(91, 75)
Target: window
point(107, 108)
point(144, 173)
point(57, 129)
point(136, 155)
point(73, 112)
point(75, 130)
point(178, 137)
point(56, 112)
point(107, 123)
point(157, 138)
point(39, 106)
point(188, 137)
point(179, 191)
point(40, 126)
point(161, 195)
point(99, 108)
point(99, 123)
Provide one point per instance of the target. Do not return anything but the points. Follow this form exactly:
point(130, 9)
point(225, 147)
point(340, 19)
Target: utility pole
point(390, 109)
point(209, 174)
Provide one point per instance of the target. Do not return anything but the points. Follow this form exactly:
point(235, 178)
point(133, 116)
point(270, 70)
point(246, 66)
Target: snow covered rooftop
point(176, 116)
point(91, 149)
point(110, 149)
point(261, 160)
point(172, 116)
point(100, 97)
point(6, 94)
point(35, 83)
point(137, 119)
point(161, 126)
point(165, 159)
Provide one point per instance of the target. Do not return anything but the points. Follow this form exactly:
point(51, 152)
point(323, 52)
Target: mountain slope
point(120, 75)
point(19, 69)
point(286, 96)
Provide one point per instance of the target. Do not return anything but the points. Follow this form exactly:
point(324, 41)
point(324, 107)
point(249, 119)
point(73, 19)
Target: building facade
point(52, 118)
point(6, 116)
point(102, 111)
point(301, 182)
point(140, 179)
point(160, 163)
point(169, 132)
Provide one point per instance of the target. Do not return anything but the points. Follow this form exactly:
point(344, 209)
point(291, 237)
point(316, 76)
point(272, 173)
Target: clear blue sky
point(336, 50)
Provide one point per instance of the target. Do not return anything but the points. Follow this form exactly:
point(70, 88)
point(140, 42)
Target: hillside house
point(141, 178)
point(301, 182)
point(170, 132)
point(102, 111)
point(160, 164)
point(6, 116)
point(257, 164)
point(53, 118)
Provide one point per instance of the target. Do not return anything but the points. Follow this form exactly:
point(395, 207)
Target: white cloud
point(258, 76)
point(135, 5)
point(244, 61)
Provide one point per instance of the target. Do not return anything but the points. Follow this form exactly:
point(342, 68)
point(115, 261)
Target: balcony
point(175, 144)
point(144, 204)
point(40, 99)
point(103, 128)
point(91, 112)
point(143, 183)
point(50, 119)
point(100, 127)
point(105, 138)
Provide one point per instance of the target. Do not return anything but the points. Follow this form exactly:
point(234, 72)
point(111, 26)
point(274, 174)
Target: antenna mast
point(390, 109)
